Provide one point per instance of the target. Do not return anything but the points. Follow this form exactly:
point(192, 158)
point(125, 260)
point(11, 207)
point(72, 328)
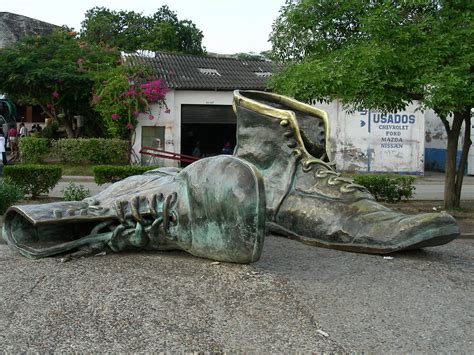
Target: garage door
point(215, 114)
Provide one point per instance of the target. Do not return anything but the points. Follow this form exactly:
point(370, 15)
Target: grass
point(76, 170)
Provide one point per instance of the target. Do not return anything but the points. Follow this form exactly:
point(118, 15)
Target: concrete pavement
point(297, 298)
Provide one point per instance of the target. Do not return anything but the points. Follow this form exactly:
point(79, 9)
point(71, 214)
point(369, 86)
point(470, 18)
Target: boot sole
point(431, 242)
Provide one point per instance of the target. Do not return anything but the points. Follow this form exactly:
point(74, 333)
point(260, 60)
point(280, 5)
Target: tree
point(130, 31)
point(122, 93)
point(384, 55)
point(265, 55)
point(56, 72)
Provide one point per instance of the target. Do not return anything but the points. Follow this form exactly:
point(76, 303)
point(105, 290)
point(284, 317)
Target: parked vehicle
point(8, 114)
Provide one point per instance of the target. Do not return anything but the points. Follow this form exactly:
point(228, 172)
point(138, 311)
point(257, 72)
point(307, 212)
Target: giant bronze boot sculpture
point(306, 198)
point(214, 208)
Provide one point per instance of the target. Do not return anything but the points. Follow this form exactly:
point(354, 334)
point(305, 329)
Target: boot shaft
point(269, 136)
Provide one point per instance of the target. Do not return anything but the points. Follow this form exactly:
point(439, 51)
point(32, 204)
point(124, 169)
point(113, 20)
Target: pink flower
point(49, 106)
point(129, 125)
point(135, 113)
point(95, 99)
point(115, 116)
point(151, 117)
point(55, 94)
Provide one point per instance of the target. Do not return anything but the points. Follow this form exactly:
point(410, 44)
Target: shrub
point(91, 150)
point(51, 131)
point(75, 192)
point(33, 150)
point(9, 194)
point(33, 179)
point(111, 173)
point(387, 187)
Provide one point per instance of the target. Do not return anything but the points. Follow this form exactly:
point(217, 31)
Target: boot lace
point(325, 170)
point(135, 230)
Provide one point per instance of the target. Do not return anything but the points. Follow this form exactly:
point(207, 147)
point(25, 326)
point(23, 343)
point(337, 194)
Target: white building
point(199, 102)
point(200, 110)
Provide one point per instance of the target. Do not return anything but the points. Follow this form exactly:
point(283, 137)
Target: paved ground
point(296, 298)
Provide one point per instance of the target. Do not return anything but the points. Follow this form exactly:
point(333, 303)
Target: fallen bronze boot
point(307, 199)
point(214, 208)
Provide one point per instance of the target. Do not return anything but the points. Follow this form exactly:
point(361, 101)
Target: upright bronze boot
point(214, 208)
point(306, 198)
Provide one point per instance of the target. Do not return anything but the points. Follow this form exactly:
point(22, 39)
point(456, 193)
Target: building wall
point(363, 141)
point(171, 118)
point(436, 140)
point(368, 141)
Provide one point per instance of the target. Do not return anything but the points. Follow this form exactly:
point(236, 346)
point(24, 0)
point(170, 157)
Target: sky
point(229, 26)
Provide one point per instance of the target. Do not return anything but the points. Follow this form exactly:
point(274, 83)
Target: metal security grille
point(214, 114)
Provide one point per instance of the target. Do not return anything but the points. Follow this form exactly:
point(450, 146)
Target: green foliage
point(50, 131)
point(387, 187)
point(56, 72)
point(33, 150)
point(33, 179)
point(252, 55)
point(75, 192)
point(91, 150)
point(379, 55)
point(383, 55)
point(9, 194)
point(119, 98)
point(110, 173)
point(130, 31)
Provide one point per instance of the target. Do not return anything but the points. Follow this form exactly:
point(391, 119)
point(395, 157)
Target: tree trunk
point(464, 153)
point(67, 123)
point(453, 176)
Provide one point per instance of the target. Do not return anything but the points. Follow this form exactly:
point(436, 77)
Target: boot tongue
point(312, 133)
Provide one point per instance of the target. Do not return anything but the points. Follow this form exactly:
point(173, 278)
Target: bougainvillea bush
point(122, 95)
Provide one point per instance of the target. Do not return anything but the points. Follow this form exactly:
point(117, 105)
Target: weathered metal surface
point(215, 208)
point(306, 198)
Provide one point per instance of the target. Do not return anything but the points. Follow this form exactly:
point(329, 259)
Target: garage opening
point(209, 128)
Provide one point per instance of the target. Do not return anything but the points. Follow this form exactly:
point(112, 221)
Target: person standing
point(197, 150)
point(23, 130)
point(227, 149)
point(13, 142)
point(3, 151)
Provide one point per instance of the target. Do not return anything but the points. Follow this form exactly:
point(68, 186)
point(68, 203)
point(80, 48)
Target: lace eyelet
point(333, 181)
point(321, 174)
point(307, 169)
point(347, 189)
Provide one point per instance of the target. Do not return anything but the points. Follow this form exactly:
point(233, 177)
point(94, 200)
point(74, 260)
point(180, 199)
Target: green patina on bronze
point(281, 178)
point(215, 208)
point(307, 200)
